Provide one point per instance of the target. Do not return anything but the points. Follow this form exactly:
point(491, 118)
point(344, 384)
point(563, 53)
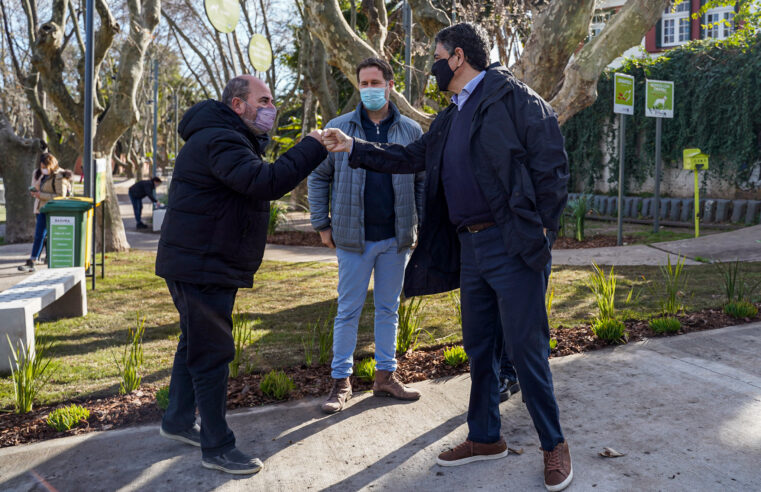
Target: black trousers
point(200, 371)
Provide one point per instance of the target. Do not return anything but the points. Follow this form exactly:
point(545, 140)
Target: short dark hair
point(237, 87)
point(471, 38)
point(156, 179)
point(382, 65)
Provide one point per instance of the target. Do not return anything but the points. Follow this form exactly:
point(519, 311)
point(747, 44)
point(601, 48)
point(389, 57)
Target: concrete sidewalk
point(685, 411)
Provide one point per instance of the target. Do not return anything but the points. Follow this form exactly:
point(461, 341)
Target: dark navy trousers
point(501, 293)
point(200, 371)
point(506, 367)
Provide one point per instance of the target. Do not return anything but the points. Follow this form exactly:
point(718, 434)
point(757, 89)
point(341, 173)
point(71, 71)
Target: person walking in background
point(140, 190)
point(496, 182)
point(49, 181)
point(212, 242)
point(371, 219)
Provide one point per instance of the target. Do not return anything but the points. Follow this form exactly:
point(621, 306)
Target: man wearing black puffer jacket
point(212, 243)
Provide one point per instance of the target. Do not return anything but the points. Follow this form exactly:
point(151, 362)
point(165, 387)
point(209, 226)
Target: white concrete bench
point(54, 293)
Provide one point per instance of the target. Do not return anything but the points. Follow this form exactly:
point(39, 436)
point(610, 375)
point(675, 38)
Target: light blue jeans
point(354, 270)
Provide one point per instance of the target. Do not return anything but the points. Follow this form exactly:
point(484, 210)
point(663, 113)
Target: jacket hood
point(214, 114)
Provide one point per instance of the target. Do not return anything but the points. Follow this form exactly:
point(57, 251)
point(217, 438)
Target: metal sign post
point(623, 104)
point(87, 158)
point(659, 104)
point(407, 53)
point(155, 116)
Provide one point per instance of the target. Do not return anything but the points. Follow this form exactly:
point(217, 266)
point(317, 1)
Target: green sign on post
point(623, 94)
point(62, 242)
point(223, 14)
point(260, 53)
point(659, 98)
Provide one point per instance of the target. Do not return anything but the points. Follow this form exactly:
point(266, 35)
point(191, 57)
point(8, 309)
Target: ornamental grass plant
point(65, 418)
point(277, 385)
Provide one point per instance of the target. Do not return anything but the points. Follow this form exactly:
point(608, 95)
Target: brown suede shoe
point(558, 471)
point(470, 451)
point(388, 384)
point(339, 395)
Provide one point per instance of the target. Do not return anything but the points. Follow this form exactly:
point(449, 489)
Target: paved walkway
point(684, 410)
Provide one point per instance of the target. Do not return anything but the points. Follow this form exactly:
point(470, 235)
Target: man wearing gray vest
point(371, 219)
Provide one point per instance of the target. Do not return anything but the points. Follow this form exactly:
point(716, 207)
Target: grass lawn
point(287, 298)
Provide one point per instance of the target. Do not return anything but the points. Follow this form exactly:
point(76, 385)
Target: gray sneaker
point(191, 436)
point(233, 462)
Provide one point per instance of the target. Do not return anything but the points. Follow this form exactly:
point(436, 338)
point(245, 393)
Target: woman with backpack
point(49, 181)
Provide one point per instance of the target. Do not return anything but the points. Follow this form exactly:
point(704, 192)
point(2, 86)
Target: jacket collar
point(498, 81)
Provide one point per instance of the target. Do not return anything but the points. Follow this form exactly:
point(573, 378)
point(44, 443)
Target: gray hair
point(237, 87)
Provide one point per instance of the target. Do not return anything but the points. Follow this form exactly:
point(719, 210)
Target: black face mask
point(443, 73)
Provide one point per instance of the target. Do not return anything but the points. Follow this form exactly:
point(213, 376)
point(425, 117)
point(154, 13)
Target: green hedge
point(717, 90)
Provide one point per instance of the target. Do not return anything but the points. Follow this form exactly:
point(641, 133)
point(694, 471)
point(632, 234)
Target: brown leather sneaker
point(339, 395)
point(558, 471)
point(470, 451)
point(387, 384)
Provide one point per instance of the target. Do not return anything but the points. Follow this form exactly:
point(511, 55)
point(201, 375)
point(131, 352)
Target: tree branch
point(201, 56)
point(556, 33)
point(329, 25)
point(430, 18)
point(624, 30)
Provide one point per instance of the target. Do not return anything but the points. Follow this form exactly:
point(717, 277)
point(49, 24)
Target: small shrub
point(243, 336)
point(366, 370)
point(409, 324)
point(277, 385)
point(738, 285)
point(549, 296)
point(454, 299)
point(553, 343)
point(665, 325)
point(674, 282)
point(162, 398)
point(609, 330)
point(324, 340)
point(29, 371)
point(64, 418)
point(278, 212)
point(455, 356)
point(604, 289)
point(131, 364)
point(741, 309)
point(307, 342)
point(579, 209)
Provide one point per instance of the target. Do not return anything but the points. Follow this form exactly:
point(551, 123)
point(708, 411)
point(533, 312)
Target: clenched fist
point(337, 141)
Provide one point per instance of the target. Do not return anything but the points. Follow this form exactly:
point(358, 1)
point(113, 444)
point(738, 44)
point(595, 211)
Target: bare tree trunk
point(17, 163)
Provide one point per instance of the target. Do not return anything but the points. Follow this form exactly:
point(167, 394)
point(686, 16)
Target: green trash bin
point(69, 238)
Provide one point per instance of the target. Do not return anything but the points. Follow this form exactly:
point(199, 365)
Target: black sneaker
point(27, 267)
point(191, 436)
point(507, 388)
point(140, 225)
point(233, 462)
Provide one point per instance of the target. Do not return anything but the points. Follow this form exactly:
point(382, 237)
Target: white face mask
point(45, 171)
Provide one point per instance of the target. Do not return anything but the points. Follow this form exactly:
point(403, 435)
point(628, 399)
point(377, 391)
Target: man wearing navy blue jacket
point(212, 242)
point(496, 179)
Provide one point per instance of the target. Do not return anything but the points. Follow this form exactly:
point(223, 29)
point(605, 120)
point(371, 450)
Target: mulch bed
point(301, 238)
point(140, 407)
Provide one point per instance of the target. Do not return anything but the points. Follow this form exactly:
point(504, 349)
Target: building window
point(598, 23)
point(719, 23)
point(676, 24)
